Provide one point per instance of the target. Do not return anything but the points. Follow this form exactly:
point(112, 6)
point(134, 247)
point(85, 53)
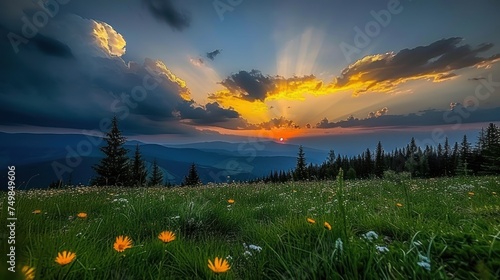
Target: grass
point(450, 225)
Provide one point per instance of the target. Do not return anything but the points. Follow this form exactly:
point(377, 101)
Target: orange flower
point(122, 243)
point(29, 272)
point(65, 257)
point(230, 201)
point(166, 236)
point(311, 221)
point(399, 204)
point(37, 211)
point(82, 215)
point(220, 265)
point(327, 226)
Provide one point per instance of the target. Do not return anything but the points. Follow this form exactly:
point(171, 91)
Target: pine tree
point(300, 169)
point(192, 179)
point(138, 171)
point(491, 150)
point(379, 161)
point(156, 175)
point(113, 168)
point(464, 158)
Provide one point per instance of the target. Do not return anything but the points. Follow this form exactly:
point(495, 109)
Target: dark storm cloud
point(421, 118)
point(41, 87)
point(213, 54)
point(250, 85)
point(211, 113)
point(437, 61)
point(166, 11)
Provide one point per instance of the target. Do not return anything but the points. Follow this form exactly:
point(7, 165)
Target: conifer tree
point(192, 179)
point(138, 171)
point(300, 169)
point(156, 175)
point(379, 161)
point(112, 170)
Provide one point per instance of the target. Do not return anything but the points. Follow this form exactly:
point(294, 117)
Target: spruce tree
point(491, 150)
point(379, 161)
point(112, 169)
point(300, 169)
point(138, 171)
point(156, 175)
point(192, 179)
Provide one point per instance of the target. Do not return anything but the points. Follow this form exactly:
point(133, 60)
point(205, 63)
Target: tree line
point(444, 160)
point(117, 169)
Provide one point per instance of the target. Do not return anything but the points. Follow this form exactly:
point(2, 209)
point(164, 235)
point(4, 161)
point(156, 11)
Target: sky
point(192, 71)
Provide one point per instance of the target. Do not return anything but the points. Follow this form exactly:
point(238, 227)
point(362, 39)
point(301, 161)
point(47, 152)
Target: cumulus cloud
point(210, 114)
point(211, 55)
point(165, 10)
point(436, 62)
point(86, 37)
point(378, 113)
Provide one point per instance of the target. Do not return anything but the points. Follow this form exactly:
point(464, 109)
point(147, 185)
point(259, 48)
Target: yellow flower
point(37, 211)
point(471, 193)
point(493, 193)
point(82, 215)
point(29, 272)
point(65, 257)
point(220, 265)
point(230, 201)
point(166, 236)
point(399, 204)
point(122, 243)
point(311, 221)
point(327, 226)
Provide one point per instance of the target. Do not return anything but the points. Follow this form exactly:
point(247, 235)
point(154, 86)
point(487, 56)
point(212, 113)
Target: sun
point(281, 139)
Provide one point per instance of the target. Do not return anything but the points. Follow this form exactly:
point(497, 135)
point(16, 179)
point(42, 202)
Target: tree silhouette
point(156, 175)
point(300, 169)
point(192, 179)
point(379, 161)
point(113, 168)
point(138, 171)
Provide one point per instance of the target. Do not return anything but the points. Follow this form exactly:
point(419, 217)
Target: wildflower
point(399, 204)
point(311, 221)
point(426, 266)
point(29, 272)
point(65, 257)
point(255, 247)
point(230, 201)
point(122, 243)
point(37, 211)
point(82, 215)
point(229, 257)
point(493, 193)
point(220, 265)
point(327, 226)
point(370, 236)
point(471, 193)
point(339, 245)
point(382, 249)
point(247, 254)
point(166, 236)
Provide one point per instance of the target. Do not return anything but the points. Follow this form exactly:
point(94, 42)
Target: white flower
point(382, 249)
point(339, 245)
point(423, 258)
point(370, 236)
point(425, 265)
point(229, 258)
point(247, 254)
point(255, 247)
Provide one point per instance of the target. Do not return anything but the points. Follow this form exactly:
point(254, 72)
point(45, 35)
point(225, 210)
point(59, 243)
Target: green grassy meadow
point(445, 228)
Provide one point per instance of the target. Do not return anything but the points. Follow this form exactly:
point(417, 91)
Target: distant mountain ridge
point(35, 154)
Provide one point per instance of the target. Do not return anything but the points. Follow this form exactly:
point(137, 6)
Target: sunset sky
point(198, 70)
